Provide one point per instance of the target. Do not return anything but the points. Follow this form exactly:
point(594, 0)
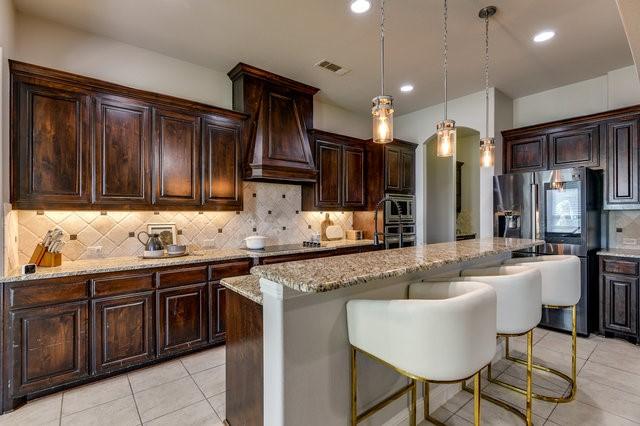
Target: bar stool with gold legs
point(518, 312)
point(445, 332)
point(560, 290)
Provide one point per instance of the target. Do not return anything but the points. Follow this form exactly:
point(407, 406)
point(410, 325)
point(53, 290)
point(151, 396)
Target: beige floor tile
point(212, 381)
point(458, 401)
point(578, 413)
point(620, 403)
point(562, 343)
point(219, 404)
point(39, 412)
point(167, 398)
point(626, 358)
point(451, 421)
point(121, 412)
point(441, 414)
point(204, 360)
point(540, 408)
point(198, 414)
point(492, 414)
point(541, 380)
point(157, 375)
point(83, 397)
point(612, 377)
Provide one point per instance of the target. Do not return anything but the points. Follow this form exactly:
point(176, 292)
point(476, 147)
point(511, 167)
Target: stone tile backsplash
point(628, 222)
point(272, 210)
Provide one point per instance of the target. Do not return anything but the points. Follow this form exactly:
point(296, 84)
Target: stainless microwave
point(407, 205)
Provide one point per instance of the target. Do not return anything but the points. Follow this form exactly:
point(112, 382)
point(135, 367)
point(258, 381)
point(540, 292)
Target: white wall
point(467, 152)
point(616, 89)
point(467, 111)
point(440, 195)
point(338, 120)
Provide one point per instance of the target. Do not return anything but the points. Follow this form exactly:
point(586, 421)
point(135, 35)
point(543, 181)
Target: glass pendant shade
point(446, 144)
point(487, 152)
point(382, 112)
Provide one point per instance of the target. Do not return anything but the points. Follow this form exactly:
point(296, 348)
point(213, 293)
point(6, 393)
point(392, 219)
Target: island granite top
point(326, 274)
point(130, 263)
point(245, 285)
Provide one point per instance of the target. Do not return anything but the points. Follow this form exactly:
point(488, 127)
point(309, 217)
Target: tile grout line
point(61, 402)
point(133, 395)
point(205, 397)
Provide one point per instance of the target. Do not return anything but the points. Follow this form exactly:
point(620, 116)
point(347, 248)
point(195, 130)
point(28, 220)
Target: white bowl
point(255, 242)
point(176, 249)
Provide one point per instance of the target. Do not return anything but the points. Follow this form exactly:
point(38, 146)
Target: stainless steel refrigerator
point(563, 208)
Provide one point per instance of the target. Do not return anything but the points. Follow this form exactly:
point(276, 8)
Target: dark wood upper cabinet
point(123, 331)
point(122, 151)
point(622, 176)
point(340, 184)
point(222, 184)
point(526, 154)
point(51, 145)
point(575, 147)
point(275, 141)
point(48, 346)
point(177, 165)
point(408, 176)
point(81, 143)
point(353, 158)
point(399, 168)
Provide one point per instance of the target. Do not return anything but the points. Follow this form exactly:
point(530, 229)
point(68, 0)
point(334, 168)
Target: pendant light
point(446, 129)
point(487, 144)
point(382, 110)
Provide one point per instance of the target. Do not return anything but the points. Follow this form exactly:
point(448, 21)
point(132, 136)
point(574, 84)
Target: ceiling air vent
point(334, 68)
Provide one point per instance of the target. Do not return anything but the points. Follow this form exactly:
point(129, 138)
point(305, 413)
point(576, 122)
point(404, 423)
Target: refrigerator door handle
point(534, 211)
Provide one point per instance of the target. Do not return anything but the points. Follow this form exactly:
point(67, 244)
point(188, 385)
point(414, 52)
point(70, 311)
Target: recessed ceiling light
point(406, 88)
point(360, 6)
point(544, 36)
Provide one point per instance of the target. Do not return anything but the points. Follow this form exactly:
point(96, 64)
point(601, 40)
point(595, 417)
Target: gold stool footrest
point(498, 402)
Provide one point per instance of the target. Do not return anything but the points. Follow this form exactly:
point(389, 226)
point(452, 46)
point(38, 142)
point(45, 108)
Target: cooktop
point(284, 247)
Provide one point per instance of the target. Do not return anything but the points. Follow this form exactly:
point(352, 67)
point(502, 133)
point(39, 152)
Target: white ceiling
point(289, 36)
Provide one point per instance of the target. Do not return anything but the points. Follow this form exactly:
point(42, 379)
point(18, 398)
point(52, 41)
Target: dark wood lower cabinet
point(182, 318)
point(48, 347)
point(619, 292)
point(123, 331)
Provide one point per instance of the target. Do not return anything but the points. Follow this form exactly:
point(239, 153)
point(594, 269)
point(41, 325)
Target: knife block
point(42, 257)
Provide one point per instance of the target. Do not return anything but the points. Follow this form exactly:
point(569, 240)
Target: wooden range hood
point(275, 142)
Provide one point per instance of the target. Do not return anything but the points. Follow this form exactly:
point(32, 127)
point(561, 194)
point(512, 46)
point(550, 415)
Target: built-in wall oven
point(407, 211)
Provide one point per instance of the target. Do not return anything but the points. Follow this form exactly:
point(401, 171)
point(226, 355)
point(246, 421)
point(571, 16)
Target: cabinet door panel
point(182, 318)
point(622, 165)
point(222, 184)
point(526, 154)
point(221, 303)
point(408, 171)
point(177, 158)
point(51, 150)
point(122, 152)
point(49, 346)
point(354, 193)
point(393, 167)
point(123, 330)
point(573, 148)
point(329, 158)
point(621, 304)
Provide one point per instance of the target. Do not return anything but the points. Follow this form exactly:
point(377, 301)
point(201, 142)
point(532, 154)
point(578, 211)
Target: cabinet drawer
point(50, 292)
point(109, 286)
point(177, 277)
point(616, 266)
point(231, 269)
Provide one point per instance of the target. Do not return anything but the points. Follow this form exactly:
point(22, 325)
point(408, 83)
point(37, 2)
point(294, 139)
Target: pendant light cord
point(445, 58)
point(486, 73)
point(382, 48)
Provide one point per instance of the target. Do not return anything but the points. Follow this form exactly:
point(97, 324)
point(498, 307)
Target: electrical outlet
point(208, 243)
point(629, 241)
point(94, 251)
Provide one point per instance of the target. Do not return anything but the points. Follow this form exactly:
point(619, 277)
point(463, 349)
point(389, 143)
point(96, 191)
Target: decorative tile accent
point(272, 210)
point(624, 224)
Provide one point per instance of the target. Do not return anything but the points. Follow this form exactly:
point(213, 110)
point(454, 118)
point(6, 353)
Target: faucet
point(376, 235)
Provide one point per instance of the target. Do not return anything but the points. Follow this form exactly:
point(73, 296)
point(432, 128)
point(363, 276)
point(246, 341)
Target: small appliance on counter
point(48, 253)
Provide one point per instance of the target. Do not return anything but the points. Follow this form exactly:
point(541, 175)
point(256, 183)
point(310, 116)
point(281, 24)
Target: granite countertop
point(130, 263)
point(320, 275)
point(245, 285)
point(632, 253)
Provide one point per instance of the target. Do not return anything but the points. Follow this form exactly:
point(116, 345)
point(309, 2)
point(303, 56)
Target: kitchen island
point(304, 356)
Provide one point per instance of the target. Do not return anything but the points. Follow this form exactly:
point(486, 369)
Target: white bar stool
point(518, 313)
point(560, 290)
point(446, 332)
